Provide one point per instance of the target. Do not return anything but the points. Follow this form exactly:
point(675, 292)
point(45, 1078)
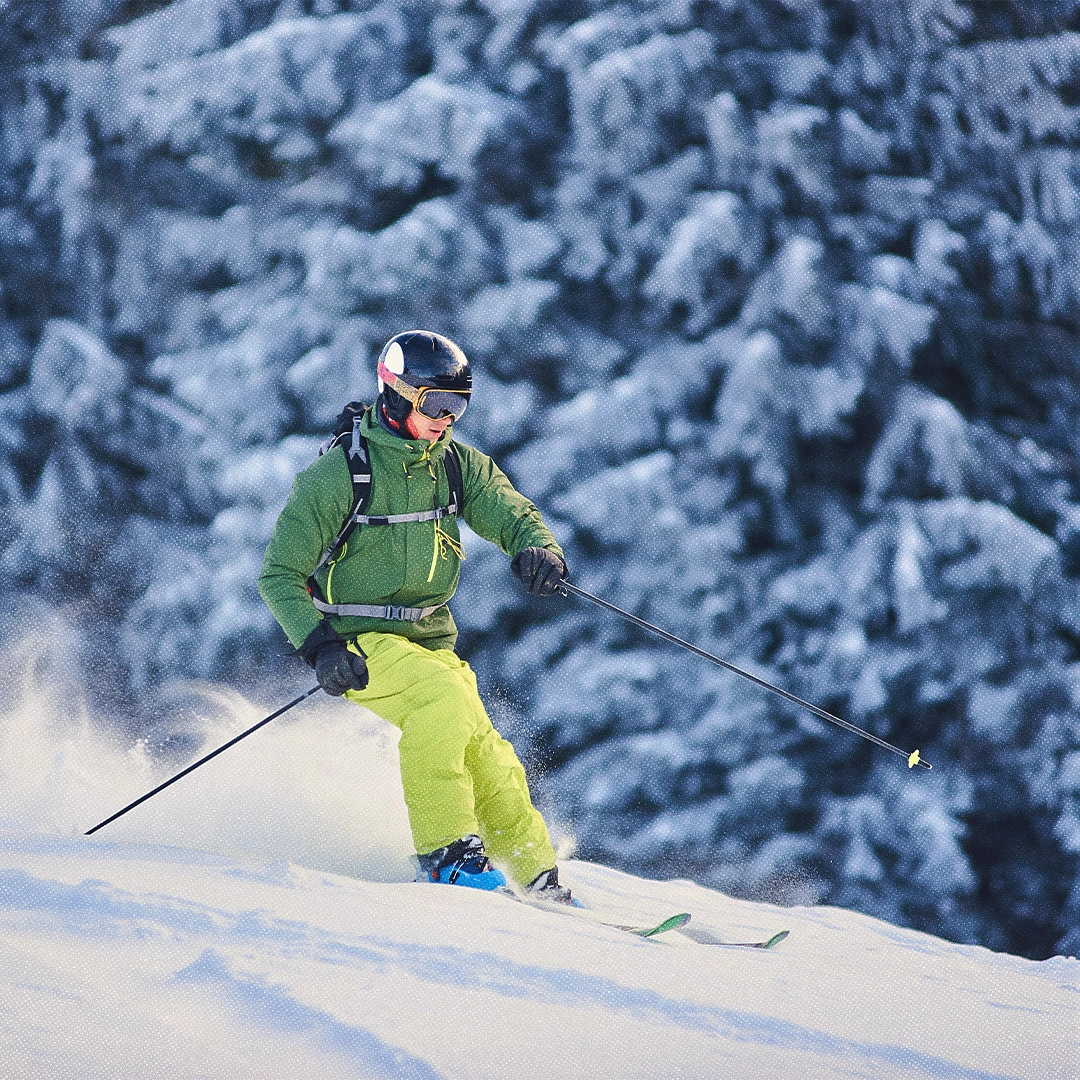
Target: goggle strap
point(410, 393)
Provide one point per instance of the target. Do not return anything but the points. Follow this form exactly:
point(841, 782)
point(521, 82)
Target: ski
point(672, 922)
point(768, 944)
point(706, 937)
point(698, 935)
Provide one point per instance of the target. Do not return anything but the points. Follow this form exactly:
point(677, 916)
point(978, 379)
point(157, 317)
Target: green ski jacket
point(410, 564)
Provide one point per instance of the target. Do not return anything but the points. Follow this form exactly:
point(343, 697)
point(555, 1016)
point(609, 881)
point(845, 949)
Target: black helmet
point(426, 370)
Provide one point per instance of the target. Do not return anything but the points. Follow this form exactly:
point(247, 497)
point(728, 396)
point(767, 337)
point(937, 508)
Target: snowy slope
point(257, 920)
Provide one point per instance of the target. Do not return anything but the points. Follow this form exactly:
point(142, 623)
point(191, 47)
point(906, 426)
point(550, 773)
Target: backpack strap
point(452, 464)
point(356, 452)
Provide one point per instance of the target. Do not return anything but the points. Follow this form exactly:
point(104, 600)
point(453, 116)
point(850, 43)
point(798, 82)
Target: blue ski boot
point(463, 862)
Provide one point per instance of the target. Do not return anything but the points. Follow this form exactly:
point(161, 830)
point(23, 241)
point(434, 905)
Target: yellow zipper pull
point(434, 552)
point(442, 542)
point(330, 575)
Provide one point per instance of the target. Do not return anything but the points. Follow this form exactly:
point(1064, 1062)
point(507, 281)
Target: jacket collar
point(411, 451)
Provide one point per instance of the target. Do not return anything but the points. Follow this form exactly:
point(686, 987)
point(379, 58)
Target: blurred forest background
point(774, 306)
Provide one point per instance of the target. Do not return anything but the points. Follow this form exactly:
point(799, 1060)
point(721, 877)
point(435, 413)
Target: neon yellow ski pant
point(460, 776)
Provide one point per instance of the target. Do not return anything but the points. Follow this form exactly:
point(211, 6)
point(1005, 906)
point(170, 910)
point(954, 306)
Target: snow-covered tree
point(775, 310)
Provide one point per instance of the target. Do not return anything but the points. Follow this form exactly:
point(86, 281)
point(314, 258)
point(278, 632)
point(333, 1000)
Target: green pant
point(459, 774)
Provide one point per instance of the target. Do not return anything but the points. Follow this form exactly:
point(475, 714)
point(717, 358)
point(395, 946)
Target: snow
point(259, 919)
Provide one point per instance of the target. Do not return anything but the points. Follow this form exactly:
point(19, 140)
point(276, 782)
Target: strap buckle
point(395, 612)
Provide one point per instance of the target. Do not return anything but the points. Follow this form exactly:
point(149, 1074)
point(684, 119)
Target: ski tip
point(776, 939)
point(668, 924)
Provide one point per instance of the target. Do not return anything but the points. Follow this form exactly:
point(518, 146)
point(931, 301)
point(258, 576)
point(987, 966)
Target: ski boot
point(463, 862)
point(547, 888)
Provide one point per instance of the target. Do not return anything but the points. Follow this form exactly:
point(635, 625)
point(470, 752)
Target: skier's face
point(425, 427)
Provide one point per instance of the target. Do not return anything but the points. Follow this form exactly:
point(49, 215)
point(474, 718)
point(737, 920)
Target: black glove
point(539, 570)
point(336, 667)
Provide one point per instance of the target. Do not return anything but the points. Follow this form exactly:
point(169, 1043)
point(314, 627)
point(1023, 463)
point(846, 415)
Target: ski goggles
point(429, 400)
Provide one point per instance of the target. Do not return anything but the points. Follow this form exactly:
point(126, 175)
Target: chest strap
point(376, 611)
point(399, 519)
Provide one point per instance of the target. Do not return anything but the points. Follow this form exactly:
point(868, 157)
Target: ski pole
point(913, 758)
point(202, 761)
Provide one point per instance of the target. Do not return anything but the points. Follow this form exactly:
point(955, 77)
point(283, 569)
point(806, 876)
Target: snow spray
point(322, 790)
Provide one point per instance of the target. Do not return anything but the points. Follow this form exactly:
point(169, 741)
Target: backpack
point(346, 434)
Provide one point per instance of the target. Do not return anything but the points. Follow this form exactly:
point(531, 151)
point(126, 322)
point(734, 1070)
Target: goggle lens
point(435, 404)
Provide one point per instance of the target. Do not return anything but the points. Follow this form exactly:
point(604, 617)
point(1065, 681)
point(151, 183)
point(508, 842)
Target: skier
point(372, 619)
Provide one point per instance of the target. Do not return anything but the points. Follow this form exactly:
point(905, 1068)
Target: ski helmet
point(427, 370)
